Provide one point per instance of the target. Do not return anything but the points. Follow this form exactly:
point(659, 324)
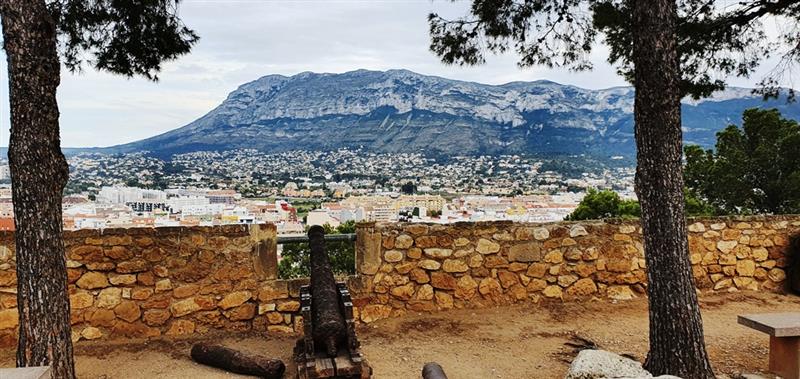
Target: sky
point(242, 40)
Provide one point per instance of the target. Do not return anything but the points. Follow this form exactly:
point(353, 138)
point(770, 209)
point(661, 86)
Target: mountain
point(402, 111)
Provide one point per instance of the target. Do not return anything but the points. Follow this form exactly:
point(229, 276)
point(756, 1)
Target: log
point(433, 370)
point(328, 321)
point(237, 362)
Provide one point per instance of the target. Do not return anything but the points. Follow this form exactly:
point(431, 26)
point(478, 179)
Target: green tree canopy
point(713, 41)
point(295, 258)
point(753, 169)
point(604, 204)
point(607, 204)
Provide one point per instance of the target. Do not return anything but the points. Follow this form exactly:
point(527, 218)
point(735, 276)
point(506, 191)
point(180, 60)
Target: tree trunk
point(38, 175)
point(677, 345)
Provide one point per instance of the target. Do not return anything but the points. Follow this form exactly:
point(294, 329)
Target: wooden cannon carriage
point(329, 347)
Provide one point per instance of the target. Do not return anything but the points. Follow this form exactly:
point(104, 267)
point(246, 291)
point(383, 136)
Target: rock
point(461, 242)
point(582, 287)
point(403, 241)
point(537, 270)
point(109, 298)
point(555, 256)
point(566, 280)
point(141, 293)
point(393, 256)
point(9, 318)
point(454, 265)
point(91, 333)
point(243, 312)
point(726, 246)
point(275, 318)
point(490, 288)
point(419, 276)
point(184, 307)
point(577, 231)
point(128, 311)
point(600, 364)
point(487, 246)
point(425, 292)
point(526, 252)
point(163, 285)
point(155, 317)
point(403, 292)
point(429, 264)
point(442, 280)
point(92, 280)
point(122, 279)
point(541, 234)
point(493, 261)
point(475, 261)
point(185, 290)
point(81, 300)
point(619, 293)
point(374, 312)
point(438, 253)
point(235, 299)
point(552, 292)
point(181, 328)
point(507, 278)
point(466, 287)
point(745, 267)
point(697, 227)
point(777, 275)
point(100, 317)
point(444, 300)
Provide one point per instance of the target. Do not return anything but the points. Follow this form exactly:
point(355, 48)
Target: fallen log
point(433, 370)
point(237, 362)
point(329, 326)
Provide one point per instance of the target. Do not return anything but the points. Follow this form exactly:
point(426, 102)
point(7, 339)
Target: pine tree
point(668, 49)
point(125, 37)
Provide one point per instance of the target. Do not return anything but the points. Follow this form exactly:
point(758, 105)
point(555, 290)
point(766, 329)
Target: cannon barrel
point(329, 326)
point(433, 370)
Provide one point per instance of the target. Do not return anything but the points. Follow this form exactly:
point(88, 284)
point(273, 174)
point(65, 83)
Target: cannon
point(329, 347)
point(433, 370)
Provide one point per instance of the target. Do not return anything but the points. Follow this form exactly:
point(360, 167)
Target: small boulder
point(600, 364)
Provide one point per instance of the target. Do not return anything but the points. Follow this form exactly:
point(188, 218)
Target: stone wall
point(416, 267)
point(145, 282)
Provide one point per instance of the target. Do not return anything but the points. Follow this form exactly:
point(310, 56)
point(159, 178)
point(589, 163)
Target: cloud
point(244, 40)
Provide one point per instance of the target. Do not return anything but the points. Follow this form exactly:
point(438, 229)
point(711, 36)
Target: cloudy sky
point(242, 40)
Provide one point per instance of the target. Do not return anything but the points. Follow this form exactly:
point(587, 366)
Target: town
point(299, 188)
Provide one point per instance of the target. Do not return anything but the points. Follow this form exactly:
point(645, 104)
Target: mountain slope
point(398, 110)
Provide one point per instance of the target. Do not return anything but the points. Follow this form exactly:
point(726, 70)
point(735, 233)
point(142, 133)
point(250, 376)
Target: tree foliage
point(126, 37)
point(607, 204)
point(604, 204)
point(753, 169)
point(295, 257)
point(714, 42)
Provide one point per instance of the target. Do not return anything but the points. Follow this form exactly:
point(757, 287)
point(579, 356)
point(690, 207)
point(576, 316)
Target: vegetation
point(124, 37)
point(408, 188)
point(604, 204)
point(607, 204)
point(295, 258)
point(753, 169)
point(668, 49)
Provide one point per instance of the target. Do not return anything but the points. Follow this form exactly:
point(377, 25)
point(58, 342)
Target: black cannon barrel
point(329, 326)
point(433, 370)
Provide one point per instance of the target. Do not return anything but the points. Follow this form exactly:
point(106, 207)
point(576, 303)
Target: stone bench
point(40, 372)
point(784, 340)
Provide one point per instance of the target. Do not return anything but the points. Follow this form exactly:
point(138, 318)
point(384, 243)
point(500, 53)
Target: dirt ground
point(523, 341)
